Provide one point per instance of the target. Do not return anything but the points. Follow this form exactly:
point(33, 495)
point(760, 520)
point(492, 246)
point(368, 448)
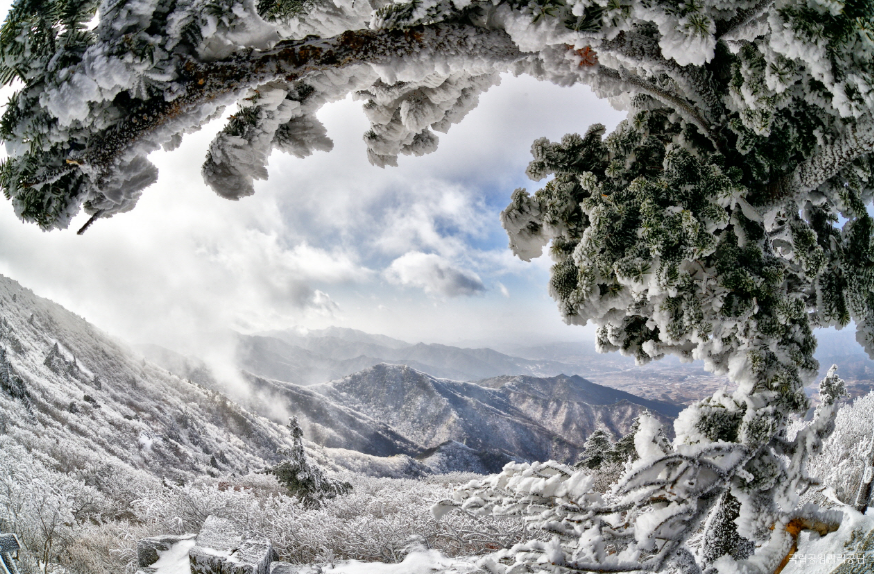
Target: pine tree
point(55, 360)
point(623, 449)
point(720, 534)
point(10, 383)
point(302, 479)
point(598, 448)
point(5, 371)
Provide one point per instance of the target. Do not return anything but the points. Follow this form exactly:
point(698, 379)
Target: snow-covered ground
point(851, 548)
point(419, 562)
point(175, 561)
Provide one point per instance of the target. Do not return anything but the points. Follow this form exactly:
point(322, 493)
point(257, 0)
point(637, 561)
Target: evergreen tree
point(623, 449)
point(5, 371)
point(302, 479)
point(720, 534)
point(55, 360)
point(598, 448)
point(724, 220)
point(10, 383)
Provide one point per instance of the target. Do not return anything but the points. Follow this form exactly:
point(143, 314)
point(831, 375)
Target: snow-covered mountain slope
point(80, 401)
point(563, 388)
point(396, 410)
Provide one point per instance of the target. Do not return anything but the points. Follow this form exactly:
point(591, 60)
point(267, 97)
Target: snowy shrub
point(845, 456)
point(104, 548)
point(44, 508)
point(377, 520)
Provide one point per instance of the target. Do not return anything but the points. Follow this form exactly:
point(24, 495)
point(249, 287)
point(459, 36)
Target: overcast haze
point(414, 252)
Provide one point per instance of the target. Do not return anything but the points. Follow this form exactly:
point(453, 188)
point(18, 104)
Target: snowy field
point(850, 546)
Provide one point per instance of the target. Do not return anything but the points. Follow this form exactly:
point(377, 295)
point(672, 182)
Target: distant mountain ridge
point(81, 402)
point(388, 410)
point(384, 409)
point(320, 356)
point(575, 388)
point(299, 338)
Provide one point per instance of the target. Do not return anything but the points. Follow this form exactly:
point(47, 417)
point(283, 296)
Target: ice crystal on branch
point(644, 521)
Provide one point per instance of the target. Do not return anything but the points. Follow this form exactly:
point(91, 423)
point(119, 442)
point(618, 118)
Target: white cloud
point(434, 275)
point(301, 250)
point(504, 291)
point(440, 217)
point(184, 262)
point(283, 275)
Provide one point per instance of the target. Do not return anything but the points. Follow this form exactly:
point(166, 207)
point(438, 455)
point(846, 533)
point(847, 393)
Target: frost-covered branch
point(110, 152)
point(734, 29)
point(644, 521)
point(864, 491)
point(672, 100)
point(832, 158)
point(293, 60)
point(636, 49)
point(96, 101)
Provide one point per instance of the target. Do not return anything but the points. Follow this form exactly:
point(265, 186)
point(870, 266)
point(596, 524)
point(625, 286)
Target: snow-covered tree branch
point(643, 523)
point(104, 83)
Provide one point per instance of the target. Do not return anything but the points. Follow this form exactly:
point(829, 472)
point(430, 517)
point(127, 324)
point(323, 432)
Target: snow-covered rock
point(151, 550)
point(221, 548)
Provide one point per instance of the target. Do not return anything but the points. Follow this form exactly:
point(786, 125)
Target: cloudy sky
point(415, 252)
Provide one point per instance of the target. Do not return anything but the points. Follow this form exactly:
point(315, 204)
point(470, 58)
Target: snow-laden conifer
point(751, 493)
point(303, 479)
point(784, 92)
point(597, 450)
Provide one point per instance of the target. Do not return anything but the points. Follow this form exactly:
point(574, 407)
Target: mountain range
point(388, 410)
point(314, 357)
point(321, 356)
point(84, 400)
point(81, 400)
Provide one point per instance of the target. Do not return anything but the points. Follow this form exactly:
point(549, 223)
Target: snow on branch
point(108, 173)
point(644, 521)
point(856, 141)
point(96, 101)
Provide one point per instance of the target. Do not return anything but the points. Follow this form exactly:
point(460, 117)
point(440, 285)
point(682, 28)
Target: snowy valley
point(104, 445)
